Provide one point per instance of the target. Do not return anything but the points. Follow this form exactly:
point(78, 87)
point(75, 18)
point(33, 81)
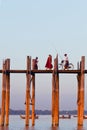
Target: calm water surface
point(44, 123)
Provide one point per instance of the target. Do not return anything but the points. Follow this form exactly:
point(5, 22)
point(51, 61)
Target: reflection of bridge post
point(55, 94)
point(80, 100)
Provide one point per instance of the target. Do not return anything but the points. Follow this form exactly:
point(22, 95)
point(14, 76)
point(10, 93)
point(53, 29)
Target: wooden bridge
point(30, 82)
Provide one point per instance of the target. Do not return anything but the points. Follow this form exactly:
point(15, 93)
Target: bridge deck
point(43, 71)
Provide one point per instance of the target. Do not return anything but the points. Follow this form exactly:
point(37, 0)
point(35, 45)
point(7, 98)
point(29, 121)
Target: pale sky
point(38, 28)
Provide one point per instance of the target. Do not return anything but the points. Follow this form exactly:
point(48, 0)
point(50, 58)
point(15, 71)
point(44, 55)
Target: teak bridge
point(30, 82)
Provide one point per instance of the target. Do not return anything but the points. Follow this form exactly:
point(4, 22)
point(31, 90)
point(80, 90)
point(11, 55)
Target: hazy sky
point(38, 28)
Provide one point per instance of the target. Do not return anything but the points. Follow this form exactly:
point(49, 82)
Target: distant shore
point(45, 112)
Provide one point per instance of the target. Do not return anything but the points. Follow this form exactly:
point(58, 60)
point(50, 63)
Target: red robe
point(49, 63)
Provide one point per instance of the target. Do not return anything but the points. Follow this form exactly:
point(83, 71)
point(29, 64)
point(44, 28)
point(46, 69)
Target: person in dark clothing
point(36, 63)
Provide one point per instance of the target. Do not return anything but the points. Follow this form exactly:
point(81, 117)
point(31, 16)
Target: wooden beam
point(43, 71)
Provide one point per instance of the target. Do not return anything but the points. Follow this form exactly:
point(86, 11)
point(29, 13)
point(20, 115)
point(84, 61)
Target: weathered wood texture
point(5, 94)
point(33, 100)
point(7, 91)
point(2, 120)
point(28, 80)
point(55, 94)
point(81, 92)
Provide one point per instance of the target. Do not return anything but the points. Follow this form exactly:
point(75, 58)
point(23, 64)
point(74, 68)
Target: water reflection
point(38, 128)
point(4, 128)
point(80, 128)
point(35, 128)
point(27, 128)
point(54, 128)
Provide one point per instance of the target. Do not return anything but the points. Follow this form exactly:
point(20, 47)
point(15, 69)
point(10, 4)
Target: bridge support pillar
point(28, 83)
point(55, 94)
point(80, 100)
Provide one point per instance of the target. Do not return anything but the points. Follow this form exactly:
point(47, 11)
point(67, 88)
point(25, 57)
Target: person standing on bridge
point(36, 63)
point(66, 61)
point(49, 62)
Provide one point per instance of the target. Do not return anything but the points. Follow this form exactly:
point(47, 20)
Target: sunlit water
point(44, 123)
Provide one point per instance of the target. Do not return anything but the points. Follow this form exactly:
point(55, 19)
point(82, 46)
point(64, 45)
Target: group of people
point(49, 65)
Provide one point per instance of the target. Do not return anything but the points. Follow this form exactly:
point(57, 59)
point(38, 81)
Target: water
point(44, 123)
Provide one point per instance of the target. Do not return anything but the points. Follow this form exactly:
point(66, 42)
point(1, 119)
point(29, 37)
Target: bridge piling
point(2, 120)
point(33, 94)
point(81, 92)
point(7, 91)
point(30, 95)
point(28, 84)
point(55, 94)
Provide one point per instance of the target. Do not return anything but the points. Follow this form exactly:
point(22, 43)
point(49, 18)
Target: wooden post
point(7, 91)
point(78, 91)
point(81, 93)
point(28, 80)
point(78, 96)
point(2, 121)
point(53, 99)
point(33, 99)
point(33, 93)
point(55, 94)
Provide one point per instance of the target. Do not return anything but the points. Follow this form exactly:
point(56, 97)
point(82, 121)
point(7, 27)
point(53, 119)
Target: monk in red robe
point(49, 62)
